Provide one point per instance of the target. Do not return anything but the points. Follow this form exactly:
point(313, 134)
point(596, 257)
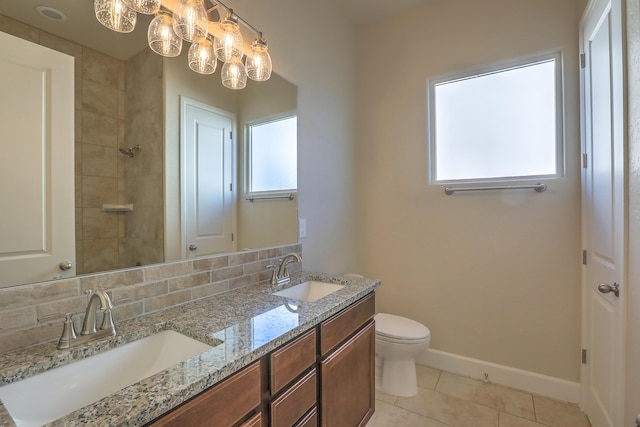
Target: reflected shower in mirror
point(129, 149)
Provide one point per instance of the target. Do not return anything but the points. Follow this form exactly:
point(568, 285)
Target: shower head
point(130, 151)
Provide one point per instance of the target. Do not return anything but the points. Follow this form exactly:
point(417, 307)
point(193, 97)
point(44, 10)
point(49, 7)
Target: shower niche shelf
point(118, 208)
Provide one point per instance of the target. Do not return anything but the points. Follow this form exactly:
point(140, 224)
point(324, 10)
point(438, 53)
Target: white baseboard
point(544, 385)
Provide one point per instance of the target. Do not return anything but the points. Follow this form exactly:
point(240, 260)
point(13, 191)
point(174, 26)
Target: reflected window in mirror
point(272, 155)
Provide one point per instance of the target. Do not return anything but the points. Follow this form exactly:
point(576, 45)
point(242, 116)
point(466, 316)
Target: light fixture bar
point(216, 3)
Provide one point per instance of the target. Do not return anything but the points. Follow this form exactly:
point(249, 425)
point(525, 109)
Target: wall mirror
point(131, 109)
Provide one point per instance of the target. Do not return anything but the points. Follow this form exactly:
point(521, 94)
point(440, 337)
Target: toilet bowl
point(398, 341)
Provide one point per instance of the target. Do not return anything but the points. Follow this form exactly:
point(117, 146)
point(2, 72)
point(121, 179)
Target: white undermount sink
point(309, 291)
point(48, 396)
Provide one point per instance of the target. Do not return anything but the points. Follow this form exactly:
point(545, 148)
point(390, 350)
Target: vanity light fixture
point(202, 57)
point(259, 60)
point(188, 20)
point(234, 74)
point(229, 45)
point(115, 15)
point(162, 39)
point(148, 7)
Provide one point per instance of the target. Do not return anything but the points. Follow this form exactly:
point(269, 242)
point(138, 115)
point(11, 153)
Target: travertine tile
point(242, 258)
point(99, 99)
point(74, 305)
point(100, 254)
point(128, 294)
point(386, 398)
point(98, 190)
point(98, 129)
point(166, 271)
point(97, 224)
point(255, 267)
point(111, 280)
point(427, 377)
point(20, 296)
point(559, 414)
point(226, 273)
point(18, 29)
point(99, 160)
point(186, 282)
point(387, 415)
point(242, 281)
point(449, 409)
point(508, 420)
point(500, 398)
point(18, 318)
point(211, 263)
point(100, 68)
point(168, 300)
point(208, 290)
point(26, 337)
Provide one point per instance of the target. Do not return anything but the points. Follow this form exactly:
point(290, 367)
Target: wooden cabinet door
point(223, 405)
point(348, 387)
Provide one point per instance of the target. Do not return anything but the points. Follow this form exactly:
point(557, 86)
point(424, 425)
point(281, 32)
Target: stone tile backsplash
point(134, 292)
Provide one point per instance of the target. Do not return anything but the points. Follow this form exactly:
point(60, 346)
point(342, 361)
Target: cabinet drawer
point(220, 406)
point(336, 329)
point(292, 360)
point(310, 420)
point(295, 402)
point(255, 421)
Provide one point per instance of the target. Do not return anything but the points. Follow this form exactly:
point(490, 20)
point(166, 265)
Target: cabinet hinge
point(583, 60)
point(231, 186)
point(585, 160)
point(584, 356)
point(231, 135)
point(584, 257)
point(232, 237)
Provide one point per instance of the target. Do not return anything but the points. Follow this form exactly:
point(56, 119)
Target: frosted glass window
point(273, 155)
point(499, 125)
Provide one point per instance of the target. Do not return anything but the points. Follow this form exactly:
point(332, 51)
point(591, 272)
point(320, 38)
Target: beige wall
point(266, 222)
point(494, 275)
point(632, 404)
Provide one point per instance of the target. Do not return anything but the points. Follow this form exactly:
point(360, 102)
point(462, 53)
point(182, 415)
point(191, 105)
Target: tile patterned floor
point(445, 399)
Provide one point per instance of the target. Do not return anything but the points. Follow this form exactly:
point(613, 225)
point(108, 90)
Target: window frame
point(493, 69)
point(249, 152)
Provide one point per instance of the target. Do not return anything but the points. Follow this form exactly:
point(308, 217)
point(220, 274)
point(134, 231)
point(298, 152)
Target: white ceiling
point(361, 11)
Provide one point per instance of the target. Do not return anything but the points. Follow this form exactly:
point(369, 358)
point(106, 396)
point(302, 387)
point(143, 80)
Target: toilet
point(398, 341)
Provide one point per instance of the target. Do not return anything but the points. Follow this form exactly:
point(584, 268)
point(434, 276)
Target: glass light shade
point(234, 75)
point(202, 57)
point(229, 45)
point(162, 39)
point(148, 7)
point(259, 62)
point(190, 20)
point(115, 15)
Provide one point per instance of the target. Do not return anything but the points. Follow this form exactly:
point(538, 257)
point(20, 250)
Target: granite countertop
point(249, 323)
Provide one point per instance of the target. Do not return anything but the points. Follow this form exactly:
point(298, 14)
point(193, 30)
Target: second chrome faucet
point(98, 300)
point(280, 275)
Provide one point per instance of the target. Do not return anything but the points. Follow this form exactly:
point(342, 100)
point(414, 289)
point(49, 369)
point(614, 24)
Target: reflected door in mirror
point(207, 165)
point(36, 165)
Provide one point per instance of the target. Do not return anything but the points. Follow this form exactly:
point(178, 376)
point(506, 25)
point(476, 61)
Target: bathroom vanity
point(274, 361)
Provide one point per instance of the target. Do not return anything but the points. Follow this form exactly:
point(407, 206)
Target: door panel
point(207, 175)
point(37, 230)
point(604, 215)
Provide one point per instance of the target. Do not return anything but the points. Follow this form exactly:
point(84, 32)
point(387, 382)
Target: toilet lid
point(393, 326)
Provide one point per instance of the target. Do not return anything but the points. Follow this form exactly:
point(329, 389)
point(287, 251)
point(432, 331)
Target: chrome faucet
point(280, 274)
point(89, 325)
point(69, 338)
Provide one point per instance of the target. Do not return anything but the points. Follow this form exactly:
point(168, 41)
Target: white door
point(207, 180)
point(604, 213)
point(37, 230)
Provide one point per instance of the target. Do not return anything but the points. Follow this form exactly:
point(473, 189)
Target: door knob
point(606, 288)
point(65, 265)
point(192, 247)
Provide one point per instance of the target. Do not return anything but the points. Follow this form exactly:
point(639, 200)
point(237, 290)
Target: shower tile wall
point(101, 86)
point(142, 178)
point(107, 240)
